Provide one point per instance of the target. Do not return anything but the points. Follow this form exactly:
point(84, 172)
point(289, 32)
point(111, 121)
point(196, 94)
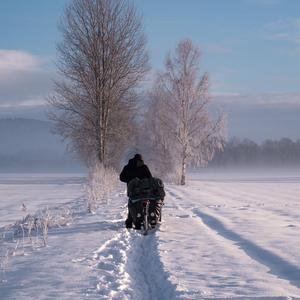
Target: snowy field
point(223, 236)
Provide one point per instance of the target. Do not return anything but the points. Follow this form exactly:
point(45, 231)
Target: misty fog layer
point(247, 153)
point(260, 117)
point(28, 145)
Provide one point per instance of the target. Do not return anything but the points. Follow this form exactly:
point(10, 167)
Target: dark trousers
point(129, 217)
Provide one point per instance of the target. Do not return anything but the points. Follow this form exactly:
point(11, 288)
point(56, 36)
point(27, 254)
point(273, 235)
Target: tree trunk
point(183, 169)
point(99, 156)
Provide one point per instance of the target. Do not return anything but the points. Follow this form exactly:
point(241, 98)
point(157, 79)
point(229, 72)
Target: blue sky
point(240, 40)
point(247, 45)
point(250, 47)
point(30, 25)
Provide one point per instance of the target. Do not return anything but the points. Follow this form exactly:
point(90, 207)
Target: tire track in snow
point(278, 266)
point(146, 258)
point(248, 194)
point(128, 266)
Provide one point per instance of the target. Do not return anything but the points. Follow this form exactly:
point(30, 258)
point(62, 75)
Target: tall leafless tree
point(101, 60)
point(179, 100)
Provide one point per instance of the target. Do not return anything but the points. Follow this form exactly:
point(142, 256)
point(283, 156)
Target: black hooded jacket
point(135, 169)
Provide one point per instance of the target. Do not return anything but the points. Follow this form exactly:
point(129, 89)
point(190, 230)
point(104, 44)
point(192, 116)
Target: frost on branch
point(101, 182)
point(180, 128)
point(102, 60)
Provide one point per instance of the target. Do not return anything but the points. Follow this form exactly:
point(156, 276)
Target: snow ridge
point(146, 255)
point(216, 227)
point(111, 259)
point(278, 266)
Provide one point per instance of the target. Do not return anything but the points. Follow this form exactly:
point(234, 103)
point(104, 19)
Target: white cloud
point(287, 30)
point(264, 100)
point(25, 79)
point(14, 60)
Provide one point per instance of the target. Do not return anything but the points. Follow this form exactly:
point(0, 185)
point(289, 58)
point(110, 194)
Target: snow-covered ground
point(223, 236)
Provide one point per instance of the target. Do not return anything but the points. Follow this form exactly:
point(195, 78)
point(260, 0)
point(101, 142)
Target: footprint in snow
point(291, 226)
point(183, 216)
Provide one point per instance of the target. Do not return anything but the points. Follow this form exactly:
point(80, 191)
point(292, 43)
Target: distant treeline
point(244, 152)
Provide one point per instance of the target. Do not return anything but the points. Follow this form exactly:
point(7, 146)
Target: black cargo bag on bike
point(145, 189)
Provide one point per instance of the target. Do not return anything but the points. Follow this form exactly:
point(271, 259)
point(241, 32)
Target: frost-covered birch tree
point(183, 127)
point(101, 61)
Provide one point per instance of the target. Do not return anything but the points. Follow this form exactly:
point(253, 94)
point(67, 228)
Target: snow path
point(130, 268)
point(145, 256)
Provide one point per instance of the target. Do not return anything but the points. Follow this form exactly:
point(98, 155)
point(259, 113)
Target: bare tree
point(154, 140)
point(101, 60)
point(180, 98)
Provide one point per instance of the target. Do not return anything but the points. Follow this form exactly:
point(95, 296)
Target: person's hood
point(131, 162)
point(139, 163)
point(135, 162)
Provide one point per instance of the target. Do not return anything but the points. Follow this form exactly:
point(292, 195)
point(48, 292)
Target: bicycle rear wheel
point(146, 224)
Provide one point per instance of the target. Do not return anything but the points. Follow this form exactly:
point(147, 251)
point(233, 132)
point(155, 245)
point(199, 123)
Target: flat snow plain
point(223, 236)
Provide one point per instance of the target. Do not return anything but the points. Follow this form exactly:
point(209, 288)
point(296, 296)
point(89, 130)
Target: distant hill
point(30, 145)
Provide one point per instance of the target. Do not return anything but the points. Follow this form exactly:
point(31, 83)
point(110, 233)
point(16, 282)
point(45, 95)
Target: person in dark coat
point(134, 169)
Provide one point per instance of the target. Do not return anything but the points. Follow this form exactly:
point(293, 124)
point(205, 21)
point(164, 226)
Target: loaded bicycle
point(145, 202)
